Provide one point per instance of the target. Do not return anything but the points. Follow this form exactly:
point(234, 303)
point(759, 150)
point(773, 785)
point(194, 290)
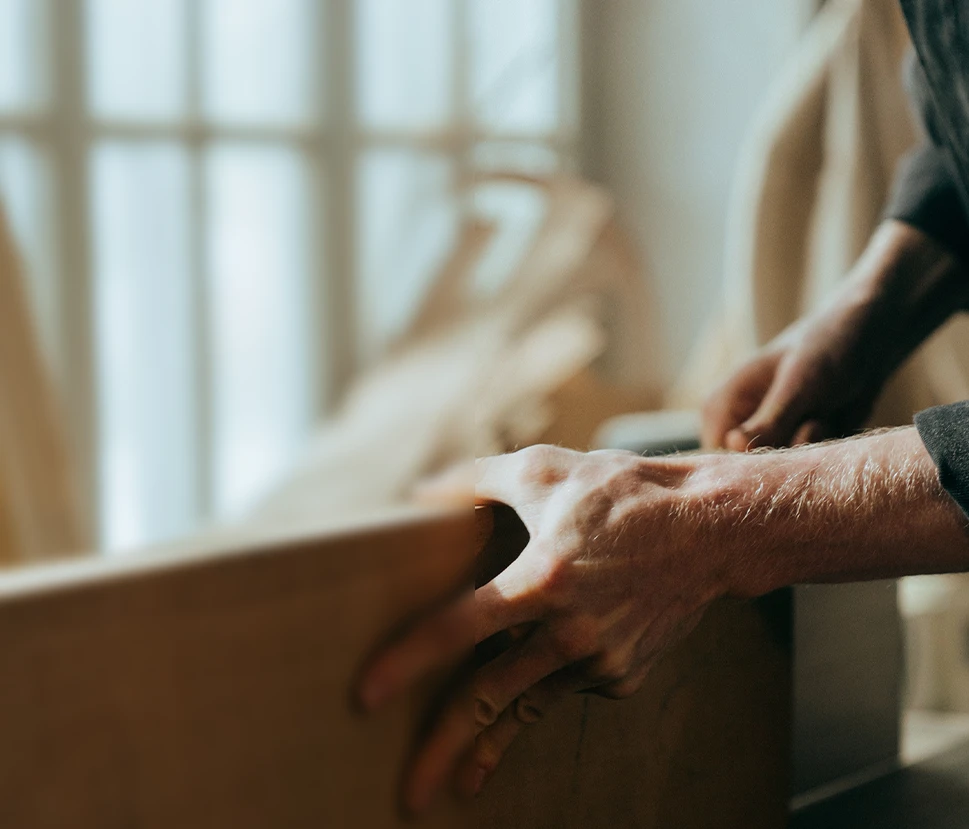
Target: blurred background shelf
point(929, 791)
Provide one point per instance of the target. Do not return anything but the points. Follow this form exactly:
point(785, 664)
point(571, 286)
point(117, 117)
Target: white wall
point(669, 88)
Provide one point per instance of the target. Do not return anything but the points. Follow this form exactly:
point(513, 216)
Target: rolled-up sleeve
point(927, 192)
point(945, 432)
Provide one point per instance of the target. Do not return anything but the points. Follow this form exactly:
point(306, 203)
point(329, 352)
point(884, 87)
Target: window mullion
point(316, 155)
point(569, 73)
point(202, 366)
point(338, 320)
point(75, 303)
point(463, 113)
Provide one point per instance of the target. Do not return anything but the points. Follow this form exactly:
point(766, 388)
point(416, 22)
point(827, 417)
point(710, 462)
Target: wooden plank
point(39, 513)
point(211, 690)
point(705, 743)
point(208, 687)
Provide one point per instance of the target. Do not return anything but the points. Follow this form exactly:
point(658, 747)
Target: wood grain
point(208, 689)
point(704, 744)
point(215, 693)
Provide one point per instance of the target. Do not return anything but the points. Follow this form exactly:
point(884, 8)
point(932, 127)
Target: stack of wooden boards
point(490, 362)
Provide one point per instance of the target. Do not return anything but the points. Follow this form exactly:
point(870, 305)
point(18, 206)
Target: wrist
point(728, 504)
point(903, 288)
point(734, 497)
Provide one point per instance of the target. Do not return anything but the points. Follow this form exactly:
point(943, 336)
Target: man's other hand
point(821, 377)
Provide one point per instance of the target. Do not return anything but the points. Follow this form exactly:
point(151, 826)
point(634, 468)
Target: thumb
point(775, 422)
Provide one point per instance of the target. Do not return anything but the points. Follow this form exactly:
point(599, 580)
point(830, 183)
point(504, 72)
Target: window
point(228, 206)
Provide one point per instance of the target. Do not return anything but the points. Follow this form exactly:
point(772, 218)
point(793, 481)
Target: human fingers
point(441, 638)
point(628, 685)
point(811, 432)
point(630, 681)
point(735, 401)
point(498, 683)
point(496, 686)
point(780, 413)
point(493, 743)
point(517, 478)
point(451, 738)
point(444, 636)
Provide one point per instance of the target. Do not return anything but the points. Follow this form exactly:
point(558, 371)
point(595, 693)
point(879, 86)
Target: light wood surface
point(208, 689)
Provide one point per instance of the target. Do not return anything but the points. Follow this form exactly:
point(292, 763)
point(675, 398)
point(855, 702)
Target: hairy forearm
point(865, 508)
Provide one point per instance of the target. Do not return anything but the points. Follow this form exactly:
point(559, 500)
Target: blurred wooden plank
point(39, 514)
point(208, 687)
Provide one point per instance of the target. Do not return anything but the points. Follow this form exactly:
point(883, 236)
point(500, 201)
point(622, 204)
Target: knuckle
point(534, 456)
point(623, 689)
point(487, 755)
point(540, 464)
point(611, 669)
point(575, 642)
point(533, 452)
point(485, 712)
point(550, 576)
point(527, 712)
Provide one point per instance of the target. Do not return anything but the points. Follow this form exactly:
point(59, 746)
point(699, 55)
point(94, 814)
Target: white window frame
point(66, 132)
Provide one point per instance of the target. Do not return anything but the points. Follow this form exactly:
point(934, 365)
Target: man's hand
point(612, 576)
point(821, 377)
point(624, 555)
point(815, 381)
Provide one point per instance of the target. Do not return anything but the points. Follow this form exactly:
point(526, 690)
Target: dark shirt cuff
point(945, 432)
point(927, 197)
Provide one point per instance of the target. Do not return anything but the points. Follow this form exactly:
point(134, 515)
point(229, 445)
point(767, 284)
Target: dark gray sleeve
point(945, 432)
point(927, 193)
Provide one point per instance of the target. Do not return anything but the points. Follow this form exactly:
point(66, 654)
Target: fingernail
point(749, 429)
point(480, 776)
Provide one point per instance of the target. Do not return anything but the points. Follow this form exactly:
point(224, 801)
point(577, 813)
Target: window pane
point(408, 224)
point(515, 64)
point(506, 157)
point(21, 24)
point(145, 354)
point(259, 58)
point(24, 192)
point(406, 62)
point(258, 265)
point(137, 58)
point(516, 212)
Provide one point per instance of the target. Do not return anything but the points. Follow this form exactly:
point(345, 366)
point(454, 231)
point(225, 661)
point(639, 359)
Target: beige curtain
point(814, 177)
point(39, 517)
